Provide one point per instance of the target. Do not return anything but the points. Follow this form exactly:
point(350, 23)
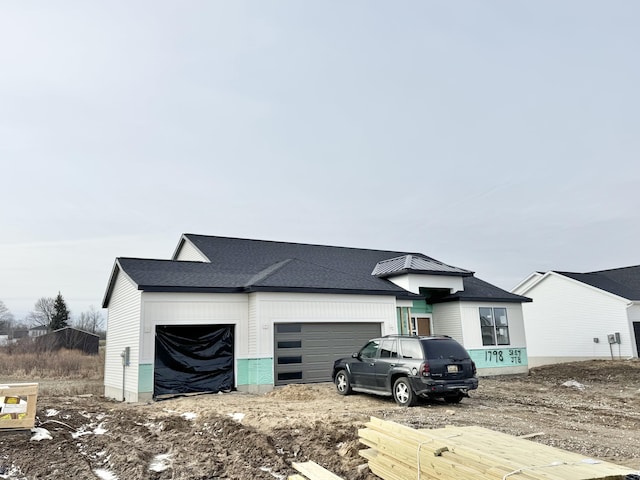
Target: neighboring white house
point(38, 330)
point(581, 316)
point(228, 313)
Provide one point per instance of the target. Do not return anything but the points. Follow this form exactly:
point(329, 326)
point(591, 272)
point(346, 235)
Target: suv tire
point(342, 383)
point(403, 394)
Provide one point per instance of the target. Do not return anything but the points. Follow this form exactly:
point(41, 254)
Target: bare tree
point(42, 313)
point(6, 319)
point(91, 320)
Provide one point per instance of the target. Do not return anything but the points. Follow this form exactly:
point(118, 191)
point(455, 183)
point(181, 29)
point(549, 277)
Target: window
point(287, 360)
point(388, 349)
point(411, 348)
point(370, 349)
point(288, 328)
point(494, 326)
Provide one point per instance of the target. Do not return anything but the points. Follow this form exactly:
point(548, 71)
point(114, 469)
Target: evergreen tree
point(61, 314)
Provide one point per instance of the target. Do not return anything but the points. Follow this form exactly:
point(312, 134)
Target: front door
point(421, 326)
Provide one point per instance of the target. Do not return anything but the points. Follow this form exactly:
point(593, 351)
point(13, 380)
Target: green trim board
point(421, 306)
point(402, 317)
point(145, 377)
point(499, 357)
point(254, 371)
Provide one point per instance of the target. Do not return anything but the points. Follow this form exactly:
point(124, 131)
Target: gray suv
point(408, 367)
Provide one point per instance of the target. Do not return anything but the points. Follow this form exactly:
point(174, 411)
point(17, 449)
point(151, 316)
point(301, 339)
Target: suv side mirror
point(355, 355)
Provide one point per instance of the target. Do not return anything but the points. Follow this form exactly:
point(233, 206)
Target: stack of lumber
point(397, 452)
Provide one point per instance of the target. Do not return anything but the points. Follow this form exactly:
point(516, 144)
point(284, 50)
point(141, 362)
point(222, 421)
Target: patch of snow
point(274, 475)
point(80, 432)
point(12, 473)
point(189, 416)
point(160, 463)
point(105, 474)
point(236, 416)
point(99, 430)
point(154, 427)
point(40, 433)
point(52, 412)
point(573, 384)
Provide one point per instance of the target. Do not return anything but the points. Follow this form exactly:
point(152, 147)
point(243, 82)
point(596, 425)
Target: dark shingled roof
point(624, 282)
point(245, 265)
point(481, 291)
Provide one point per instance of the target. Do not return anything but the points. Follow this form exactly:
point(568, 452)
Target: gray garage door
point(305, 352)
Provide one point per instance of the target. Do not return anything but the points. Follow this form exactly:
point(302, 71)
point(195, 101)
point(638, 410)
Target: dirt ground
point(592, 408)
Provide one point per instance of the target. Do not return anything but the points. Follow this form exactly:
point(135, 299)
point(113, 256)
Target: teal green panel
point(421, 306)
point(145, 377)
point(399, 319)
point(499, 357)
point(255, 371)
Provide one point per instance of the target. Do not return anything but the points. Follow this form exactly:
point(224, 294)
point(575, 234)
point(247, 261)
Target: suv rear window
point(410, 348)
point(444, 348)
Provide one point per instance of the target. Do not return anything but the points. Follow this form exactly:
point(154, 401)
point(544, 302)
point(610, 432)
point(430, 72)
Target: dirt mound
point(296, 392)
point(237, 435)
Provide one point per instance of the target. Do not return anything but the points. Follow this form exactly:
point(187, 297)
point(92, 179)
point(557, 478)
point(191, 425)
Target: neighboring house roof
point(40, 327)
point(74, 330)
point(245, 265)
point(624, 282)
point(481, 291)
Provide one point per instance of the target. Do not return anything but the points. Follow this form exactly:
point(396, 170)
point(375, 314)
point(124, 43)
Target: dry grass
point(62, 364)
point(65, 372)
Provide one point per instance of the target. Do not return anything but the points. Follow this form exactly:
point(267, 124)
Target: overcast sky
point(497, 136)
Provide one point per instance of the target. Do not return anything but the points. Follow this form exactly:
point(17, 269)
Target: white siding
point(123, 330)
point(298, 307)
point(566, 316)
point(188, 252)
point(447, 320)
point(194, 309)
point(413, 281)
point(471, 324)
point(252, 327)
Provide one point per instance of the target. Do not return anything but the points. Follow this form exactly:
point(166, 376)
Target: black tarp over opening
point(193, 359)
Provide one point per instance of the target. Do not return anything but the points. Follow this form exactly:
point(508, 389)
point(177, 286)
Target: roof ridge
point(331, 269)
point(614, 269)
point(167, 260)
point(267, 272)
point(337, 247)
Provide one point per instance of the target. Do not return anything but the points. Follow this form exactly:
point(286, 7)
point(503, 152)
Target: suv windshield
point(444, 348)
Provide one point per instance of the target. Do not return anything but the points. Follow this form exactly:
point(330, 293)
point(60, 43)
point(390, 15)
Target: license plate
point(452, 368)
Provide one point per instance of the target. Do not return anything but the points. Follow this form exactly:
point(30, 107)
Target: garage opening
point(305, 352)
point(193, 359)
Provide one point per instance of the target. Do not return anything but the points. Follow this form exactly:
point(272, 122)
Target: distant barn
point(69, 338)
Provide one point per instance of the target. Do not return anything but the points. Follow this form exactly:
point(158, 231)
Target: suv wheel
point(402, 393)
point(342, 383)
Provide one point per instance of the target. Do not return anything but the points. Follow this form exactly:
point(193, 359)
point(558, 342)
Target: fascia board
point(181, 242)
point(117, 269)
point(523, 282)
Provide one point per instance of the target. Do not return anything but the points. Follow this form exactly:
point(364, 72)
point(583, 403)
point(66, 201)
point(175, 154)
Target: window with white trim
point(494, 326)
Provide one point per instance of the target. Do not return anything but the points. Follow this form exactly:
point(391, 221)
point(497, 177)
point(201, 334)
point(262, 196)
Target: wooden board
point(397, 452)
point(18, 405)
point(313, 471)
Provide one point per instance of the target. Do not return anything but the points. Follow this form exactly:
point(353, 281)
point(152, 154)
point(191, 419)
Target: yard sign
point(18, 405)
